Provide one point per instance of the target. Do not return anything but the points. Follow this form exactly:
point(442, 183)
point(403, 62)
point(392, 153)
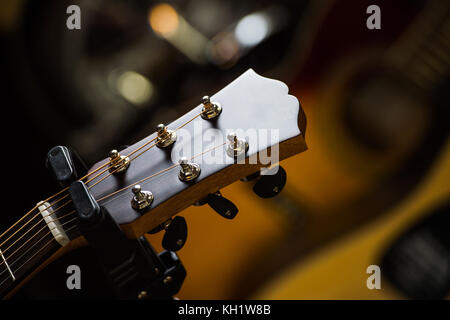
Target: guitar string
point(48, 232)
point(131, 153)
point(48, 199)
point(162, 171)
point(59, 218)
point(53, 212)
point(64, 197)
point(74, 226)
point(52, 240)
point(131, 185)
point(72, 212)
point(112, 172)
point(39, 214)
point(87, 175)
point(56, 210)
point(140, 148)
point(28, 249)
point(109, 195)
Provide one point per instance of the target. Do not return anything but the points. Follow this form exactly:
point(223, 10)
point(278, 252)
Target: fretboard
point(31, 241)
point(421, 54)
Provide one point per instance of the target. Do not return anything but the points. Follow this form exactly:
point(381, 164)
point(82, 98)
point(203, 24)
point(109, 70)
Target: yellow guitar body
point(338, 271)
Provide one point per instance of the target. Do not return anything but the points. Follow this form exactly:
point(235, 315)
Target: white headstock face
point(268, 126)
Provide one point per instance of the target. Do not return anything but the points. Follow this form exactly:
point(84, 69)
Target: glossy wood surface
point(250, 103)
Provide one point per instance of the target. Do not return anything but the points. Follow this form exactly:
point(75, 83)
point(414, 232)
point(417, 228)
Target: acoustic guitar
point(146, 184)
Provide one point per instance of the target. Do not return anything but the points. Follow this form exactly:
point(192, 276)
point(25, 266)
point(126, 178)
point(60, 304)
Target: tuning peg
point(221, 205)
point(176, 234)
point(270, 184)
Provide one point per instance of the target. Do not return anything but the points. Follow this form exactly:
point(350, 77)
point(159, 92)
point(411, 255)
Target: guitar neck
point(27, 244)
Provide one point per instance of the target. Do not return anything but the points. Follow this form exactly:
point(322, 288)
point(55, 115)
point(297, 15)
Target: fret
point(428, 63)
point(420, 53)
point(6, 264)
point(27, 264)
point(29, 243)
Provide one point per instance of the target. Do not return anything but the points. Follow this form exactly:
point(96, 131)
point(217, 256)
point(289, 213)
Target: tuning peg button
point(271, 184)
point(176, 234)
point(222, 205)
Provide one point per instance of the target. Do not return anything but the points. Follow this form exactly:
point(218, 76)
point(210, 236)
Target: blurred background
point(373, 188)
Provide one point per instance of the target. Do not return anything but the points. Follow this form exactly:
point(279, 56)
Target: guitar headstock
point(268, 126)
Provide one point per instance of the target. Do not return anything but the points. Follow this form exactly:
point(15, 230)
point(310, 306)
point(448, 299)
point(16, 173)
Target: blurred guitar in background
point(376, 111)
point(375, 102)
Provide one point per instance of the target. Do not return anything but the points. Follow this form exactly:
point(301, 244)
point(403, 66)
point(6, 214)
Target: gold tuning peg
point(118, 163)
point(189, 170)
point(235, 146)
point(141, 199)
point(210, 109)
point(165, 137)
